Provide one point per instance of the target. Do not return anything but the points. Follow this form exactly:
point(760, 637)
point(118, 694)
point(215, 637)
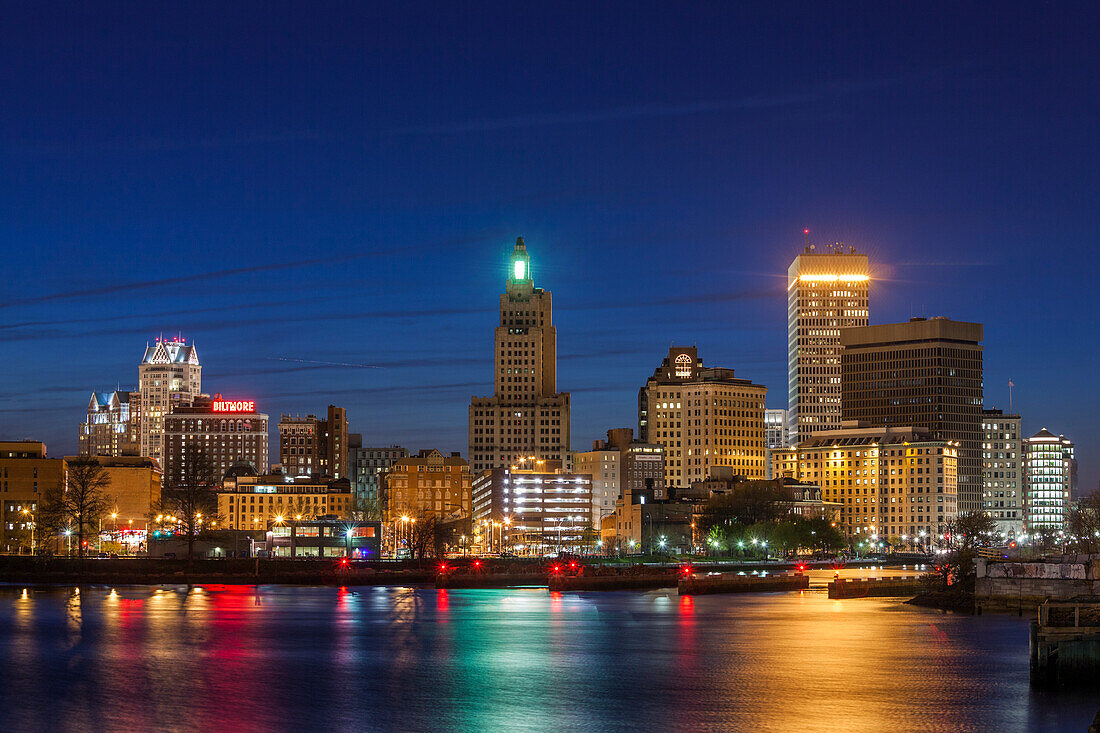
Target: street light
point(31, 518)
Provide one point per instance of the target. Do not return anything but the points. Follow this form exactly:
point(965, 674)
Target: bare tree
point(1084, 523)
point(80, 502)
point(190, 505)
point(366, 508)
point(424, 536)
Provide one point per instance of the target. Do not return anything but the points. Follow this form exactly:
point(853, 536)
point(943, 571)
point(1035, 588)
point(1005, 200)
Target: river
point(242, 658)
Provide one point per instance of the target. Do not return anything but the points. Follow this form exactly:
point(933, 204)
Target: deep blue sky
point(300, 186)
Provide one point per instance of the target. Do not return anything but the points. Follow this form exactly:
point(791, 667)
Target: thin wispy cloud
point(236, 271)
point(681, 109)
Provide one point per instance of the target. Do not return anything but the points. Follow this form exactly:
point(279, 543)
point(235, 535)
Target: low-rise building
point(251, 501)
point(25, 476)
point(895, 483)
point(326, 537)
point(134, 491)
point(428, 484)
point(539, 507)
point(366, 466)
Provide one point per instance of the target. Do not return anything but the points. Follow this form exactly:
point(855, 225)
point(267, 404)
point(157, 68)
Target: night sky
point(323, 197)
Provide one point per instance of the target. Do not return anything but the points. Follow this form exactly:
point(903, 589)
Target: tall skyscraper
point(1002, 471)
point(1051, 470)
point(704, 417)
point(169, 376)
point(826, 291)
point(526, 416)
point(925, 373)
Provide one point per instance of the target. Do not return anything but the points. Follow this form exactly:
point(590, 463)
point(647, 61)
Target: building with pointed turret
point(169, 376)
point(112, 428)
point(526, 416)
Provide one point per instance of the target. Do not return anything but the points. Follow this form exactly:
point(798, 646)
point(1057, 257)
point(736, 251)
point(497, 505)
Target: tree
point(750, 502)
point(423, 536)
point(970, 530)
point(366, 508)
point(1084, 523)
point(190, 505)
point(80, 502)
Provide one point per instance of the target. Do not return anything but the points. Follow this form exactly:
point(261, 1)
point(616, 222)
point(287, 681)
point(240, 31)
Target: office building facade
point(312, 446)
point(1002, 472)
point(826, 291)
point(897, 484)
point(704, 417)
point(111, 428)
point(1050, 469)
point(428, 484)
point(923, 373)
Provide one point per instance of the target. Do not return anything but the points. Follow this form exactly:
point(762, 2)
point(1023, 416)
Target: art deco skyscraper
point(169, 375)
point(826, 291)
point(527, 416)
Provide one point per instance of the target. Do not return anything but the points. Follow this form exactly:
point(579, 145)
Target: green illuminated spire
point(520, 271)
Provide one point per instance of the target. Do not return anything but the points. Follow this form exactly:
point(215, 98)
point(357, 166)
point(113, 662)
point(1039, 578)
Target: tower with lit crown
point(826, 291)
point(169, 375)
point(526, 416)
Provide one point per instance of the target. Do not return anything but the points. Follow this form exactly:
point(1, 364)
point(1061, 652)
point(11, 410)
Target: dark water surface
point(295, 658)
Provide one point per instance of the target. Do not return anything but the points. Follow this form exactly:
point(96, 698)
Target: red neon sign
point(238, 406)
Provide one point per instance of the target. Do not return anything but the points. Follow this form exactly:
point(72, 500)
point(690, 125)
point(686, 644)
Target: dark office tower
point(925, 373)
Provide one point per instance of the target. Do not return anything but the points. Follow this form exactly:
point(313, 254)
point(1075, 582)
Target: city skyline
point(323, 235)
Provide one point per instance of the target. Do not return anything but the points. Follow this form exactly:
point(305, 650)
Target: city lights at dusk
point(598, 367)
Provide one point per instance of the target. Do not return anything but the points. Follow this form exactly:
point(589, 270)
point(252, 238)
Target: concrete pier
point(874, 587)
point(1065, 642)
point(729, 583)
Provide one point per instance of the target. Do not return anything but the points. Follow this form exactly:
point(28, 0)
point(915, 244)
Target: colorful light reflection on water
point(297, 658)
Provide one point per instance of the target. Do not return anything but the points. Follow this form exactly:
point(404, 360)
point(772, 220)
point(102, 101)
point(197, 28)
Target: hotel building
point(1050, 470)
point(1002, 471)
point(897, 483)
point(926, 373)
point(230, 432)
point(527, 416)
point(112, 427)
point(169, 376)
point(704, 417)
point(826, 291)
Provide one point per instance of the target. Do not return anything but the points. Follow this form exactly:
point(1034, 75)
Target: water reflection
point(277, 658)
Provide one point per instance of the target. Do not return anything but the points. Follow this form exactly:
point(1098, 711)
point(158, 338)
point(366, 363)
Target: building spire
point(520, 271)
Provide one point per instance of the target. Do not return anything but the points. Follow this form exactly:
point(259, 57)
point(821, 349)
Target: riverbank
point(493, 572)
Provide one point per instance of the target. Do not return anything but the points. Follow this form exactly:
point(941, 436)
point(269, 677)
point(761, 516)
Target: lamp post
point(30, 517)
